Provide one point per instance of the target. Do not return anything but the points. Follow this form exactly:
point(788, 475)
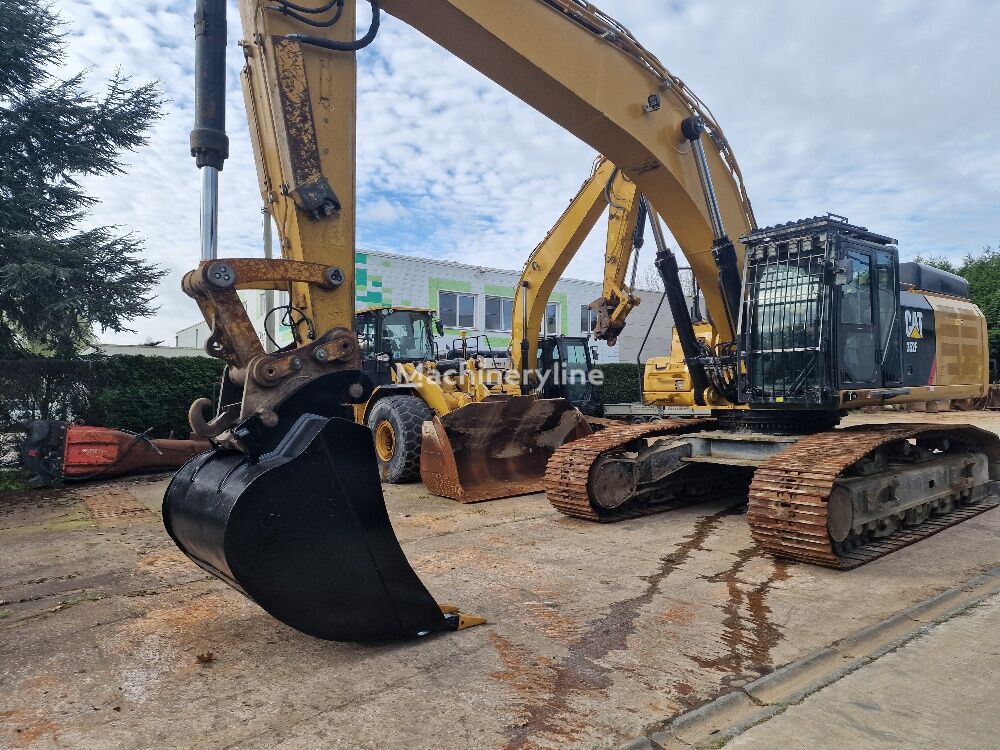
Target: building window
point(550, 323)
point(499, 314)
point(457, 310)
point(588, 319)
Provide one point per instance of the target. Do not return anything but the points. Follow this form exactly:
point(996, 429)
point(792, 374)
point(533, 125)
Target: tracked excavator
point(490, 449)
point(288, 507)
point(820, 319)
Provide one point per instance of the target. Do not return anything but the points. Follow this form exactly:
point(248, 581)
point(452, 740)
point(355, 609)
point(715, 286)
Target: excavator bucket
point(496, 448)
point(303, 531)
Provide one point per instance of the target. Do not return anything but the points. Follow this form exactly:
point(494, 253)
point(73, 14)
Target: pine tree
point(59, 282)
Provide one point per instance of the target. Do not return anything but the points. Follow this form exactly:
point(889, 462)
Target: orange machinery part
point(91, 450)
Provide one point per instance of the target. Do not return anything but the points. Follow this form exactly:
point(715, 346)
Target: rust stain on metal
point(788, 496)
point(496, 448)
point(297, 108)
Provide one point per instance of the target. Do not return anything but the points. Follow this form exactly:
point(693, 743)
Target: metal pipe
point(209, 213)
point(269, 321)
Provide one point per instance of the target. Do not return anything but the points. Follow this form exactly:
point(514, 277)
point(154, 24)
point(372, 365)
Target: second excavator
point(488, 450)
point(822, 318)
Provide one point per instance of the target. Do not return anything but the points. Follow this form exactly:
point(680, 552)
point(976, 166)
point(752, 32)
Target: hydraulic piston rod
point(209, 142)
point(722, 248)
point(209, 213)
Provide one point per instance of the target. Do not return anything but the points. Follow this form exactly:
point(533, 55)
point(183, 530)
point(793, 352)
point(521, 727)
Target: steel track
point(788, 495)
point(568, 472)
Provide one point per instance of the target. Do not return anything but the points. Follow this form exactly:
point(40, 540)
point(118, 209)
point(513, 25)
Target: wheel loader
point(288, 508)
point(413, 385)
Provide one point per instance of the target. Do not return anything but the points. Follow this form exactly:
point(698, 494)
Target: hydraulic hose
point(284, 9)
point(310, 11)
point(354, 46)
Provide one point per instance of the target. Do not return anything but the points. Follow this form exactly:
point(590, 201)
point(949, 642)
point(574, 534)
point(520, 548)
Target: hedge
point(621, 383)
point(138, 392)
point(131, 392)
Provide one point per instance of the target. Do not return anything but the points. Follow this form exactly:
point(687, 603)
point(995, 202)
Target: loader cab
point(821, 315)
point(393, 335)
point(566, 363)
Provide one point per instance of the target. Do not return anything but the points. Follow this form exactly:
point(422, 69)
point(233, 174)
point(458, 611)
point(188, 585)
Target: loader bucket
point(303, 532)
point(496, 448)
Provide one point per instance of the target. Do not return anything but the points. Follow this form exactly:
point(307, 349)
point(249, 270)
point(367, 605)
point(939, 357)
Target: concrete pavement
point(937, 691)
point(596, 635)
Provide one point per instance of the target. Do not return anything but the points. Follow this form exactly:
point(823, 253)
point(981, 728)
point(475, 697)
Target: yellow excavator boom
point(289, 509)
point(500, 447)
point(605, 189)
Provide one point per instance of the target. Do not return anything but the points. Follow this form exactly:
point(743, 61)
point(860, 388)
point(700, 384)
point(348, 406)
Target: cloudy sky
point(885, 111)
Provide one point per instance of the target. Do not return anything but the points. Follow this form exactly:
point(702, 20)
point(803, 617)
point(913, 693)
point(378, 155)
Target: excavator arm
point(626, 223)
point(588, 74)
point(605, 189)
point(288, 508)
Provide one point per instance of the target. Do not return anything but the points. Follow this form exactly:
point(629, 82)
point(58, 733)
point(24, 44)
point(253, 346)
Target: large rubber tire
point(395, 422)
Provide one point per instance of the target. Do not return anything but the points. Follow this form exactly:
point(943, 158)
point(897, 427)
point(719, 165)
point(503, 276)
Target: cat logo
point(914, 324)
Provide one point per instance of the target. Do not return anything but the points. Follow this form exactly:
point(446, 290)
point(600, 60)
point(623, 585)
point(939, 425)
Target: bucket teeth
point(459, 620)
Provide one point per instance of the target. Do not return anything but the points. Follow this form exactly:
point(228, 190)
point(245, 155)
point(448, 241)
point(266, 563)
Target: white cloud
point(880, 111)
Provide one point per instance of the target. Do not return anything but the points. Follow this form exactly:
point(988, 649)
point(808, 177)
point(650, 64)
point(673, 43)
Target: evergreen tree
point(57, 282)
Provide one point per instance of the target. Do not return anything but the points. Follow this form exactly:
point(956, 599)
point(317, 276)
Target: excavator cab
point(570, 361)
point(822, 315)
point(393, 335)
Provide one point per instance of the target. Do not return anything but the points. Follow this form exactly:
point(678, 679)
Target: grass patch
point(12, 480)
point(5, 613)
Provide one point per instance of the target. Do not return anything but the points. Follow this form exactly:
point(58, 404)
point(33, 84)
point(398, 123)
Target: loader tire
point(396, 422)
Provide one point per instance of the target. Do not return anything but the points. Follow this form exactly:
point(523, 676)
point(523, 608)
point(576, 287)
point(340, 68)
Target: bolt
point(334, 276)
point(321, 355)
point(221, 275)
point(356, 390)
point(295, 363)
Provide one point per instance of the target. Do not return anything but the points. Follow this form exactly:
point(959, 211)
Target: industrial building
point(473, 300)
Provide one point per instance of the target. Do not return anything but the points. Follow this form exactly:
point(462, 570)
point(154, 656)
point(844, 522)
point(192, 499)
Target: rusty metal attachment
point(54, 452)
point(496, 448)
point(256, 383)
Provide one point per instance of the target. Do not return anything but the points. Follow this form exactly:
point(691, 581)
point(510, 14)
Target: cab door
point(859, 350)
